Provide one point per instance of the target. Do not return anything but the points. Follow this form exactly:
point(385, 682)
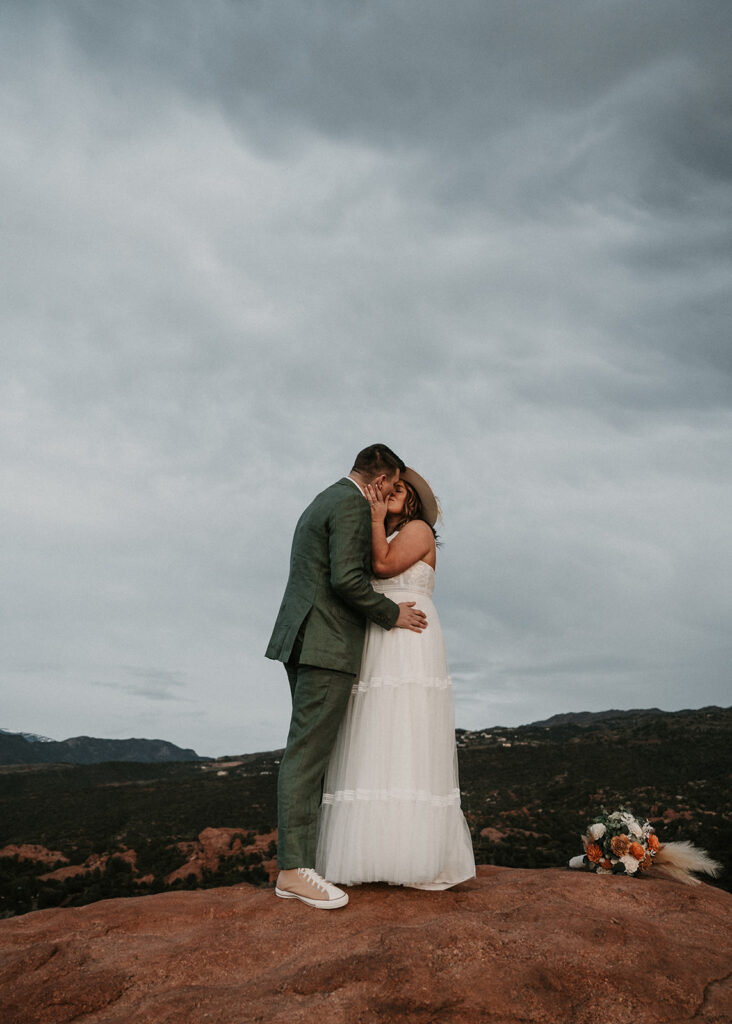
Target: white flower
point(577, 862)
point(631, 864)
point(596, 831)
point(635, 829)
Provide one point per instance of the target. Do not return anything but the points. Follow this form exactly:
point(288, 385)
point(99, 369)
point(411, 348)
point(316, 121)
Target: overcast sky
point(243, 239)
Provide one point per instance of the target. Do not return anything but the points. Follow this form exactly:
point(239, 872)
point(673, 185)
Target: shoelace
point(313, 877)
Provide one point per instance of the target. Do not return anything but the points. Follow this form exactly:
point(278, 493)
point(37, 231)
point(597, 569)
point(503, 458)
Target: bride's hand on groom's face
point(376, 500)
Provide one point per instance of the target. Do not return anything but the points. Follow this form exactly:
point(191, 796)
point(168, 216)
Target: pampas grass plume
point(677, 861)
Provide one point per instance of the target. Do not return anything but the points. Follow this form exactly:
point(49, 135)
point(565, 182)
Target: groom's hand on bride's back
point(411, 617)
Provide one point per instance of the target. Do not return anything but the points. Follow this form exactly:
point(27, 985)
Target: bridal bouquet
point(621, 844)
point(617, 843)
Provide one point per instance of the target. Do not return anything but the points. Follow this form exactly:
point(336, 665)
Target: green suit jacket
point(330, 567)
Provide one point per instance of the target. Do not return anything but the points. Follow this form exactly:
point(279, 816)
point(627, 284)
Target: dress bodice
point(418, 578)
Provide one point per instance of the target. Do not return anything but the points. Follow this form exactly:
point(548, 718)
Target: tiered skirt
point(391, 801)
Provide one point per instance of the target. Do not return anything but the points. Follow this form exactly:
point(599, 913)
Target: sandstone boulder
point(509, 946)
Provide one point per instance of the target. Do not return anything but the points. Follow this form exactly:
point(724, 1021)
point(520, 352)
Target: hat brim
point(430, 507)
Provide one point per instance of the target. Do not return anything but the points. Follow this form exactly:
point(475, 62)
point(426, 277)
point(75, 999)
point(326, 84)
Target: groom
point(319, 635)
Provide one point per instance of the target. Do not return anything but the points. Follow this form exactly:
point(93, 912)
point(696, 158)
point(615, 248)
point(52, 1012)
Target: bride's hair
point(412, 509)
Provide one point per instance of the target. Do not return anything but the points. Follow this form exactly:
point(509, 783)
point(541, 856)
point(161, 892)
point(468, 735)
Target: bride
point(391, 801)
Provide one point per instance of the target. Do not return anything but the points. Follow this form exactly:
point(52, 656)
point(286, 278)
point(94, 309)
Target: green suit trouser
point(319, 700)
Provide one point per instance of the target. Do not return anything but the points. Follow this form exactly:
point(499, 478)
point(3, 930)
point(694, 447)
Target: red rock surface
point(216, 844)
point(95, 862)
point(213, 846)
point(494, 834)
point(535, 947)
point(29, 851)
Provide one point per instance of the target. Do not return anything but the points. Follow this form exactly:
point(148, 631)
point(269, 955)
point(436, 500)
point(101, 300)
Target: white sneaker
point(309, 887)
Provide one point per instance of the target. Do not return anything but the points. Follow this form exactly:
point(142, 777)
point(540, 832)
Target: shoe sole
point(317, 904)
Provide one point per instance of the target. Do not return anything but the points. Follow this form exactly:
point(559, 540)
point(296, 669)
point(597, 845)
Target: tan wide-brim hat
point(430, 507)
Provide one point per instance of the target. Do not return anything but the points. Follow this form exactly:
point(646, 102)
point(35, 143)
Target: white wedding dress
point(391, 799)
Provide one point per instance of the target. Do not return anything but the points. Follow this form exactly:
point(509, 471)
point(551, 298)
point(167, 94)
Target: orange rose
point(594, 853)
point(653, 843)
point(637, 850)
point(620, 845)
point(607, 864)
point(645, 863)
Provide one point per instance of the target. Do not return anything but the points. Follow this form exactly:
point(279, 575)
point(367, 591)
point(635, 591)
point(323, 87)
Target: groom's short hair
point(377, 459)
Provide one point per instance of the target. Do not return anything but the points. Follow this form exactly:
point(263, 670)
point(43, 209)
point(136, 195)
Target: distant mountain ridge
point(570, 723)
point(19, 748)
point(590, 717)
point(32, 737)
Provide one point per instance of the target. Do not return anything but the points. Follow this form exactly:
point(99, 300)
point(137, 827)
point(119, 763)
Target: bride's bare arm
point(414, 542)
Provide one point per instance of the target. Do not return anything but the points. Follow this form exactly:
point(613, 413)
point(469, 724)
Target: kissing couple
point(368, 785)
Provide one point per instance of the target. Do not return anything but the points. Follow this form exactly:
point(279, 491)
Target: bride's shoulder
point(415, 535)
point(416, 528)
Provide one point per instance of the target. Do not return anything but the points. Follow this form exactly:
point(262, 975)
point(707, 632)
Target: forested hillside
point(527, 794)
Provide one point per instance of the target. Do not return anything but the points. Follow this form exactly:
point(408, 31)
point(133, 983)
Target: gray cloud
point(154, 684)
point(245, 240)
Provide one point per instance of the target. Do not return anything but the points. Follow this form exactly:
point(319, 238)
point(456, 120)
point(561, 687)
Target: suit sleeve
point(350, 547)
